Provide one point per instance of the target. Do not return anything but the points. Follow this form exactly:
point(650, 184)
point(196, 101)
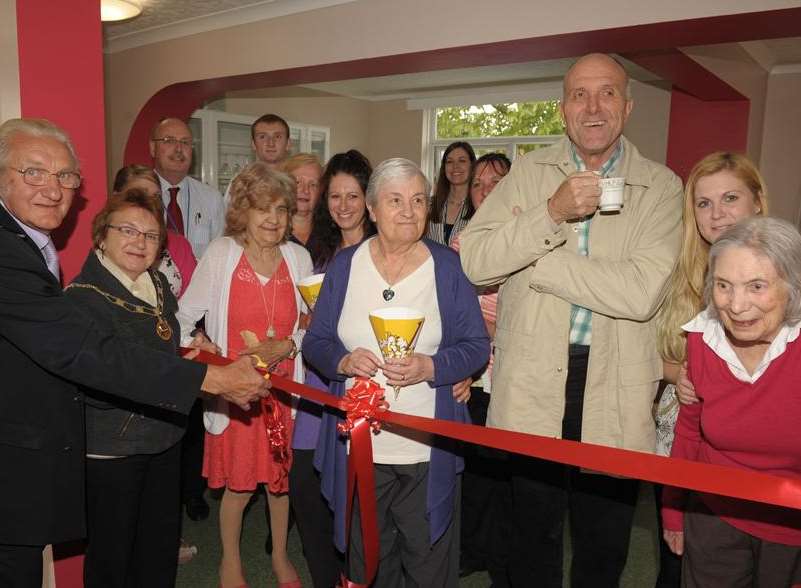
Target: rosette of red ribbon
point(363, 401)
point(364, 406)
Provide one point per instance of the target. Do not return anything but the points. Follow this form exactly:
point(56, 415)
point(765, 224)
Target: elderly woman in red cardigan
point(744, 359)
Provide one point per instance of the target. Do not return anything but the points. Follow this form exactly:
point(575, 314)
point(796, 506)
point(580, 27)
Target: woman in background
point(177, 261)
point(340, 220)
point(244, 285)
point(305, 168)
point(451, 206)
point(486, 492)
point(722, 189)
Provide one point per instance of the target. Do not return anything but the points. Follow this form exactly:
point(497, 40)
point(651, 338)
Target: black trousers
point(669, 563)
point(193, 484)
point(486, 502)
point(407, 559)
point(600, 508)
point(315, 521)
point(134, 514)
point(21, 566)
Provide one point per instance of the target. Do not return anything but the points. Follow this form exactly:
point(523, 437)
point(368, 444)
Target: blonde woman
point(722, 189)
point(306, 170)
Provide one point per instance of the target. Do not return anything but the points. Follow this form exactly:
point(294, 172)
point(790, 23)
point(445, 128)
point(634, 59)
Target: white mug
point(611, 193)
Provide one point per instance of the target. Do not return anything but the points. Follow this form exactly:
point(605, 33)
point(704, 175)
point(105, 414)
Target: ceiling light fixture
point(113, 10)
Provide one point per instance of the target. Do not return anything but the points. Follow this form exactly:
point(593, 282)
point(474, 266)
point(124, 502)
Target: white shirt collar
point(165, 184)
point(714, 335)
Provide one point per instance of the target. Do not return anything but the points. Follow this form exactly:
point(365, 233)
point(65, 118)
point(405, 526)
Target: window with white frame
point(512, 128)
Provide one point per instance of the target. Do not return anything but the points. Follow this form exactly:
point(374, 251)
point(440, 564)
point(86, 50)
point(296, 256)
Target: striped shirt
point(580, 317)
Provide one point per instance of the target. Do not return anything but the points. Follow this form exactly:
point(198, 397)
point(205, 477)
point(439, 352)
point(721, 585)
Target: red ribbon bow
point(363, 401)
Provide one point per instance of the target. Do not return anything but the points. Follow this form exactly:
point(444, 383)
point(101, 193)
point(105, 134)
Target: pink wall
point(61, 79)
point(699, 127)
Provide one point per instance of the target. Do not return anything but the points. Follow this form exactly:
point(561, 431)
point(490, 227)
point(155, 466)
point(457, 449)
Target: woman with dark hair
point(451, 206)
point(340, 217)
point(340, 220)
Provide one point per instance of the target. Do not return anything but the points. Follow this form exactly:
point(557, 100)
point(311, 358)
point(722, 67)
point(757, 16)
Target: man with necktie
point(197, 212)
point(193, 209)
point(48, 349)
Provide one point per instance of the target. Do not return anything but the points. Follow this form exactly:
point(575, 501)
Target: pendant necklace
point(271, 314)
point(388, 292)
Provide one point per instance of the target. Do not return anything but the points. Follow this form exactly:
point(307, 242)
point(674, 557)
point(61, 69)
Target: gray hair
point(33, 127)
point(777, 240)
point(388, 170)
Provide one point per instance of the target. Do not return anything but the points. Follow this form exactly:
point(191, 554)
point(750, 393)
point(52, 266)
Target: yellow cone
point(310, 288)
point(396, 330)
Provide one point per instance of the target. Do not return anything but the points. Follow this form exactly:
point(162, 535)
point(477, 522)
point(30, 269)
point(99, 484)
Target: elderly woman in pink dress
point(244, 285)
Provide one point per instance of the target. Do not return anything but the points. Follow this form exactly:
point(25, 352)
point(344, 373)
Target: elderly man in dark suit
point(48, 349)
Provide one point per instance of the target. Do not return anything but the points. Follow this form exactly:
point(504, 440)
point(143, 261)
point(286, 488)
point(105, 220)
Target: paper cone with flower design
point(396, 330)
point(310, 288)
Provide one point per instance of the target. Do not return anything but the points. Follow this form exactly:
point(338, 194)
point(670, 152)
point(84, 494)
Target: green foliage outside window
point(500, 120)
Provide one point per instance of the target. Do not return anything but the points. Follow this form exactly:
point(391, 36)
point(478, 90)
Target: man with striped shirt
point(575, 347)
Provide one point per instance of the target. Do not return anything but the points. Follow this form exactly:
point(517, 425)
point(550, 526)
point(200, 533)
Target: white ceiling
point(162, 20)
point(507, 79)
point(165, 19)
point(776, 55)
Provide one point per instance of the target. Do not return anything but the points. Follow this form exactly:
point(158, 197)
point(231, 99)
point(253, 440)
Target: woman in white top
point(417, 479)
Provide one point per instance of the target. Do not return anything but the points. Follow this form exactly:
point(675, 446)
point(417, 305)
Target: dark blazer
point(47, 346)
point(116, 426)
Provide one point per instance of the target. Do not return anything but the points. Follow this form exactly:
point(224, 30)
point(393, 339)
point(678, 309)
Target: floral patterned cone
point(396, 331)
point(310, 288)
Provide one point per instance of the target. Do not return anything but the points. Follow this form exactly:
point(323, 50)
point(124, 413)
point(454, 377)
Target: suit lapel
point(7, 223)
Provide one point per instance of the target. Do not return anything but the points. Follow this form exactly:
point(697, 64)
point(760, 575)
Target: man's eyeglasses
point(132, 233)
point(174, 142)
point(35, 176)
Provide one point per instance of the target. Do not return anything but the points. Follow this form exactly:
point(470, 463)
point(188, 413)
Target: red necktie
point(174, 215)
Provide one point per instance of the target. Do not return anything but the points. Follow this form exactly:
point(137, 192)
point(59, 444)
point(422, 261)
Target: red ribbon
point(276, 430)
point(714, 479)
point(362, 403)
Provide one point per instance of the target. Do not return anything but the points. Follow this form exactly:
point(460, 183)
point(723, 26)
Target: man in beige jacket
point(575, 346)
